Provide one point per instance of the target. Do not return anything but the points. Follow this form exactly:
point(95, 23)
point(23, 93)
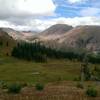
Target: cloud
point(25, 8)
point(18, 13)
point(75, 21)
point(39, 24)
point(90, 11)
point(75, 1)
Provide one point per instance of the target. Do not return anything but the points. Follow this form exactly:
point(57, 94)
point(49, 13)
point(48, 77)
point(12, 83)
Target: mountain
point(64, 36)
point(29, 35)
point(16, 35)
point(57, 29)
point(59, 36)
point(10, 37)
point(6, 43)
point(54, 32)
point(87, 37)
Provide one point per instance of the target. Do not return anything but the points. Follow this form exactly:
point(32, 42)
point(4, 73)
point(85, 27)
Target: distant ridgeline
point(40, 53)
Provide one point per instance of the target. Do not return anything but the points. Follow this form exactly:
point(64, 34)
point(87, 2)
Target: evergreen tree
point(1, 43)
point(85, 70)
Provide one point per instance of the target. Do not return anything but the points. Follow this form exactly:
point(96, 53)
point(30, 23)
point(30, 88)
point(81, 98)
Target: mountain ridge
point(86, 37)
point(61, 36)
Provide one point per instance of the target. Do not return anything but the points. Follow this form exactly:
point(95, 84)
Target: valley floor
point(12, 70)
point(57, 75)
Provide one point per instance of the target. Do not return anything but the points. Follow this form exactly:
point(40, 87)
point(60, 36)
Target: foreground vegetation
point(54, 91)
point(15, 70)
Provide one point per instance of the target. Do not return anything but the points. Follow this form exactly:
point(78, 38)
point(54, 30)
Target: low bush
point(3, 85)
point(39, 87)
point(92, 92)
point(14, 88)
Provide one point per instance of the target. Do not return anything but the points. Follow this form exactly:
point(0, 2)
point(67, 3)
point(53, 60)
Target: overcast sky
point(41, 14)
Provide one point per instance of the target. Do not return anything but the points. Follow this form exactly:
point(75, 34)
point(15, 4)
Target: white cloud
point(26, 7)
point(75, 21)
point(75, 1)
point(5, 24)
point(90, 11)
point(38, 24)
point(18, 13)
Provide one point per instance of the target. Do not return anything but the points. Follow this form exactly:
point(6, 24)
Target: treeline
point(40, 53)
point(94, 58)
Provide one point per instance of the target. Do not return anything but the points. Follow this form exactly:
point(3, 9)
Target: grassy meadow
point(14, 70)
point(57, 75)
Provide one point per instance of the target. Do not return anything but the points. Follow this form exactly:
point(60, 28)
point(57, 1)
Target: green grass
point(14, 70)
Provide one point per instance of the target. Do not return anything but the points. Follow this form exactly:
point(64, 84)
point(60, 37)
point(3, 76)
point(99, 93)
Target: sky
point(37, 15)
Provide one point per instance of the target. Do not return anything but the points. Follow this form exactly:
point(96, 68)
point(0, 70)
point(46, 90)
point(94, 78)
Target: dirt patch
point(60, 91)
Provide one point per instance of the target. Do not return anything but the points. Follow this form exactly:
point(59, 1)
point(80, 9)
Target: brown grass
point(55, 91)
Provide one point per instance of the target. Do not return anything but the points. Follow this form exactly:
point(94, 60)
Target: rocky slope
point(82, 37)
point(54, 32)
point(6, 43)
point(63, 36)
point(13, 33)
point(18, 35)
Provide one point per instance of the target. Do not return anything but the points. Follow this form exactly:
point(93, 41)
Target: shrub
point(3, 85)
point(14, 88)
point(39, 87)
point(92, 92)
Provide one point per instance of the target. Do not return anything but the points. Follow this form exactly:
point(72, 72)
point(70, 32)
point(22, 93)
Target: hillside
point(85, 37)
point(54, 32)
point(57, 29)
point(6, 43)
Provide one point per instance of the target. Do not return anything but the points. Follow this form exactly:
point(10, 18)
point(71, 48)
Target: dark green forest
point(40, 53)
